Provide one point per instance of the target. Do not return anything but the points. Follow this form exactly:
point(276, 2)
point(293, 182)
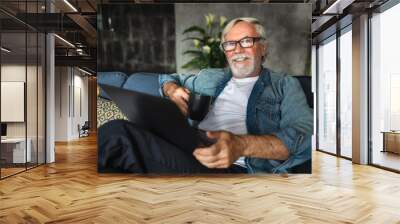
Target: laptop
point(160, 116)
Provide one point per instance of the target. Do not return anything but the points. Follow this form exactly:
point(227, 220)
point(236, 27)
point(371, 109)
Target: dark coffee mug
point(199, 106)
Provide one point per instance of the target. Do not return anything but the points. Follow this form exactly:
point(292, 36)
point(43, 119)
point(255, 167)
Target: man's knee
point(116, 147)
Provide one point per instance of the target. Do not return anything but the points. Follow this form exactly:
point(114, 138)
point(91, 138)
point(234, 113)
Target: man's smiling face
point(245, 62)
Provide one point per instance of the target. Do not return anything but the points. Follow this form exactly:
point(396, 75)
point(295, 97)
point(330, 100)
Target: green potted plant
point(206, 52)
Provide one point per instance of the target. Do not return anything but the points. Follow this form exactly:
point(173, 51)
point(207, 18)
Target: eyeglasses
point(245, 42)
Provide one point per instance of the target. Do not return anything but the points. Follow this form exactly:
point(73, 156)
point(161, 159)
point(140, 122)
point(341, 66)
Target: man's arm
point(230, 147)
point(264, 146)
point(296, 124)
point(178, 79)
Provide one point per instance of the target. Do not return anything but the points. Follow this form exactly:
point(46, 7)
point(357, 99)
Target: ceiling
point(72, 20)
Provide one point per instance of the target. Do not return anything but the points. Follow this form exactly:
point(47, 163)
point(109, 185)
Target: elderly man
point(260, 119)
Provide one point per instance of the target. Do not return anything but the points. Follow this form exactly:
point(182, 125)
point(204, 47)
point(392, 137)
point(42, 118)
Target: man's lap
point(152, 153)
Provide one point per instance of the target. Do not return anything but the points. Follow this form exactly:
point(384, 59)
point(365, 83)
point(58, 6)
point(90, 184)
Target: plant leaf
point(193, 52)
point(194, 29)
point(194, 38)
point(196, 63)
point(193, 64)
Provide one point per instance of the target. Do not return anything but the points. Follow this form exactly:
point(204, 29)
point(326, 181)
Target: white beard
point(241, 70)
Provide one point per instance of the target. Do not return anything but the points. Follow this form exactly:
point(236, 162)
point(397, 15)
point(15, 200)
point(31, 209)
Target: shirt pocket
point(268, 113)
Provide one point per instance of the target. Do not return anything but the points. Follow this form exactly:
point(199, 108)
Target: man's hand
point(223, 153)
point(179, 95)
point(230, 147)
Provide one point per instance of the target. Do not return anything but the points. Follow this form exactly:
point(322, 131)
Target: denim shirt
point(277, 106)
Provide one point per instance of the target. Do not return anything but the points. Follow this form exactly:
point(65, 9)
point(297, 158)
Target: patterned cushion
point(107, 111)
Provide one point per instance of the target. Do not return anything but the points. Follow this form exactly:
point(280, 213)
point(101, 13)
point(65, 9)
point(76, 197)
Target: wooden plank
point(71, 191)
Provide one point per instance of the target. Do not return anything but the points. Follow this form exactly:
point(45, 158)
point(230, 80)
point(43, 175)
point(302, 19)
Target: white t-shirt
point(229, 111)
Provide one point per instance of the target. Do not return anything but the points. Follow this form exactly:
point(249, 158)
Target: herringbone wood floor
point(71, 191)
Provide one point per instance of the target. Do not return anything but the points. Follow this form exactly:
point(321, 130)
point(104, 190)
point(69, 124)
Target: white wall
point(33, 126)
point(14, 72)
point(71, 93)
point(17, 73)
point(61, 103)
point(80, 98)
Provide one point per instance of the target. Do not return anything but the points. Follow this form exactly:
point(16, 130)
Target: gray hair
point(259, 29)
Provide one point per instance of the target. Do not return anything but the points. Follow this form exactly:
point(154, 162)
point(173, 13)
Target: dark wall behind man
point(136, 38)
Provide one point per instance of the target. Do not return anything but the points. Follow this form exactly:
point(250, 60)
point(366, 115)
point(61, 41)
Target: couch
point(148, 83)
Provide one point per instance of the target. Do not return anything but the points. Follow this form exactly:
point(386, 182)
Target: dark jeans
point(123, 147)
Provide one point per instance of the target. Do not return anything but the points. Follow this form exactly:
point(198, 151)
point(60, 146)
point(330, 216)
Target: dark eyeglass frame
point(254, 40)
